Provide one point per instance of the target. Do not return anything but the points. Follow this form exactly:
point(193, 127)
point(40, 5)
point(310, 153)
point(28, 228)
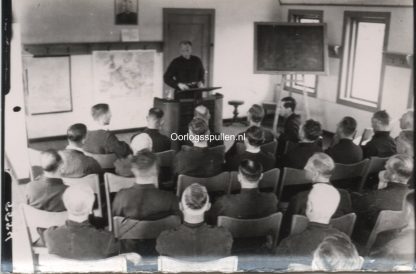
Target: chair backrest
point(165, 158)
point(345, 176)
point(269, 181)
point(269, 225)
point(125, 228)
point(106, 161)
point(289, 146)
point(112, 184)
point(167, 264)
point(220, 149)
point(240, 148)
point(344, 223)
point(165, 162)
point(217, 183)
point(269, 147)
point(93, 181)
point(292, 177)
point(375, 165)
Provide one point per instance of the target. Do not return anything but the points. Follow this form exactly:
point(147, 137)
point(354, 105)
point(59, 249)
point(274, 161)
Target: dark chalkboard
point(286, 48)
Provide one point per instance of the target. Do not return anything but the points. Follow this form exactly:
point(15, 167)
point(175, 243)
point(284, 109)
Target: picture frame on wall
point(126, 12)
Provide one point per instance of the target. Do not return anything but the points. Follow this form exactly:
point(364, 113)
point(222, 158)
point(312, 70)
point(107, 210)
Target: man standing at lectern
point(185, 71)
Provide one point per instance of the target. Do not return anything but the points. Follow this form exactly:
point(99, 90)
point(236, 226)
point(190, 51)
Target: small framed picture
point(126, 12)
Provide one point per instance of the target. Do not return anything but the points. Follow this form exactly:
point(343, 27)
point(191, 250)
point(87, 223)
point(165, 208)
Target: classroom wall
point(56, 21)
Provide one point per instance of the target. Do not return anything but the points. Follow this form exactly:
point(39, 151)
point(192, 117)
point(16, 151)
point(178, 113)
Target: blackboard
point(286, 48)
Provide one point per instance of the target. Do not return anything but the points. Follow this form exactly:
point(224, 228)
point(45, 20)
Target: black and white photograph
point(214, 136)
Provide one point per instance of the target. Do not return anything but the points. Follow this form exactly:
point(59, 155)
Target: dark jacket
point(266, 159)
point(381, 145)
point(300, 154)
point(76, 164)
point(160, 142)
point(105, 142)
point(345, 152)
point(46, 194)
point(290, 132)
point(182, 70)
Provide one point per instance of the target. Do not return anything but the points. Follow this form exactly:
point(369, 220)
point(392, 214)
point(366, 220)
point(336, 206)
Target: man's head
point(155, 118)
point(202, 112)
point(185, 48)
point(101, 114)
point(78, 201)
point(311, 131)
point(319, 167)
point(51, 161)
point(404, 143)
point(380, 121)
point(399, 169)
point(323, 200)
point(336, 253)
point(406, 121)
point(198, 128)
point(347, 127)
point(249, 173)
point(194, 203)
point(254, 137)
point(287, 106)
point(255, 115)
point(76, 134)
point(144, 167)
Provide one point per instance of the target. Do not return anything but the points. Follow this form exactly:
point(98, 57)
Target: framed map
point(49, 85)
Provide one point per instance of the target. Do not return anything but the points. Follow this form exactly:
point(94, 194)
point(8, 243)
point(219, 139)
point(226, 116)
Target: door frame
point(196, 11)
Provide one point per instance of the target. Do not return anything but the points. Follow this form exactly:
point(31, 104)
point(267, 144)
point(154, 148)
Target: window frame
point(345, 70)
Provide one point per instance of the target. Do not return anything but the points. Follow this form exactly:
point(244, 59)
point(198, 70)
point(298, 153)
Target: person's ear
point(239, 177)
point(309, 208)
point(361, 262)
point(207, 206)
point(261, 176)
point(181, 207)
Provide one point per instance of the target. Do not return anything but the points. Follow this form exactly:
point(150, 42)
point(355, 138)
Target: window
point(308, 82)
point(365, 39)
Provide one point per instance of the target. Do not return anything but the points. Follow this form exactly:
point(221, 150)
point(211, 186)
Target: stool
point(235, 104)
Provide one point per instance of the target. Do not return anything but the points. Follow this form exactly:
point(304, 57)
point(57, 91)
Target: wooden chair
point(106, 161)
point(270, 147)
point(220, 149)
point(112, 184)
point(375, 165)
point(344, 223)
point(165, 162)
point(246, 228)
point(349, 176)
point(292, 177)
point(269, 181)
point(167, 264)
point(125, 228)
point(217, 183)
point(93, 182)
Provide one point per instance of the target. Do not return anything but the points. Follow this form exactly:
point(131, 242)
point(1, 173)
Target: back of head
point(50, 160)
point(380, 120)
point(76, 133)
point(250, 170)
point(312, 130)
point(202, 112)
point(155, 113)
point(406, 121)
point(399, 168)
point(198, 127)
point(347, 126)
point(320, 164)
point(289, 102)
point(195, 197)
point(98, 110)
point(185, 42)
point(144, 164)
point(404, 142)
point(254, 136)
point(78, 200)
point(256, 113)
point(336, 253)
point(323, 200)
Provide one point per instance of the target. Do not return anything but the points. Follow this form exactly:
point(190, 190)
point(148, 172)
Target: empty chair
point(106, 161)
point(217, 183)
point(349, 176)
point(167, 264)
point(269, 182)
point(292, 177)
point(370, 176)
point(165, 162)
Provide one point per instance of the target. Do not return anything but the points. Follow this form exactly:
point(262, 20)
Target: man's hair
point(324, 199)
point(289, 102)
point(144, 161)
point(407, 137)
point(407, 120)
point(322, 163)
point(98, 110)
point(195, 196)
point(405, 142)
point(185, 42)
point(256, 113)
point(255, 136)
point(198, 126)
point(202, 112)
point(156, 113)
point(382, 116)
point(77, 132)
point(251, 170)
point(312, 130)
point(336, 253)
point(348, 125)
point(50, 160)
point(402, 166)
point(78, 199)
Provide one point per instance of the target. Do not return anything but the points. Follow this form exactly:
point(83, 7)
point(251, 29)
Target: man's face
point(107, 118)
point(186, 50)
point(283, 111)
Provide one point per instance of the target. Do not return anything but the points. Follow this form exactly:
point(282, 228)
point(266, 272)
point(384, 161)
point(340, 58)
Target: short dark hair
point(251, 170)
point(407, 136)
point(198, 126)
point(143, 160)
point(312, 130)
point(382, 116)
point(50, 160)
point(256, 113)
point(185, 42)
point(289, 102)
point(77, 132)
point(196, 196)
point(255, 136)
point(156, 112)
point(98, 110)
point(348, 125)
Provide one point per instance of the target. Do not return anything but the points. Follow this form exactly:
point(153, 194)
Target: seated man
point(392, 190)
point(103, 141)
point(404, 142)
point(250, 203)
point(323, 200)
point(254, 137)
point(381, 144)
point(45, 193)
point(158, 141)
point(299, 155)
point(345, 151)
point(75, 163)
point(406, 121)
point(194, 238)
point(291, 124)
point(198, 160)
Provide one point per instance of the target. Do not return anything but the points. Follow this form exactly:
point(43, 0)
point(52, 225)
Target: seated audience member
point(75, 163)
point(144, 201)
point(194, 238)
point(323, 200)
point(291, 124)
point(392, 190)
point(345, 151)
point(254, 137)
point(381, 144)
point(103, 141)
point(250, 203)
point(150, 136)
point(406, 121)
point(404, 143)
point(299, 154)
point(45, 193)
point(198, 160)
